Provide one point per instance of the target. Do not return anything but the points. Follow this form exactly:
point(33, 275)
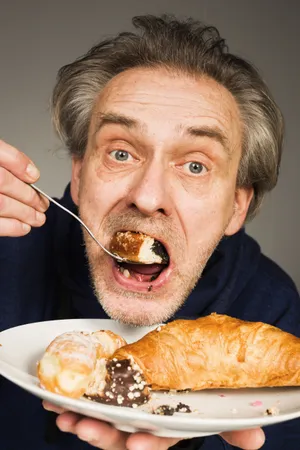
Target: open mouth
point(150, 264)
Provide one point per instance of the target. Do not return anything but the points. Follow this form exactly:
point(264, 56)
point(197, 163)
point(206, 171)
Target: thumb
point(245, 439)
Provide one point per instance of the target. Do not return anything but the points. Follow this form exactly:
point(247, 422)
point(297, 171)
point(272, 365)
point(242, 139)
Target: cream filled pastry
point(74, 363)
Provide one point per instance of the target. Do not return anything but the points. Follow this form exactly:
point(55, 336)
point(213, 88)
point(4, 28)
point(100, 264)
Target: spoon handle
point(77, 218)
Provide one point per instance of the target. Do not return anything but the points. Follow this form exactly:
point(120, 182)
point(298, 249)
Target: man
point(170, 135)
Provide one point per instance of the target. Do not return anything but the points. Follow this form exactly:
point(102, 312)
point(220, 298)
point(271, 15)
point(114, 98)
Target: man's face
point(162, 158)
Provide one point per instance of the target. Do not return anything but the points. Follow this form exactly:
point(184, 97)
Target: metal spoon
point(118, 258)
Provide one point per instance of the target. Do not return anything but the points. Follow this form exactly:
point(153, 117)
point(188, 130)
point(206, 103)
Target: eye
point(195, 167)
point(121, 155)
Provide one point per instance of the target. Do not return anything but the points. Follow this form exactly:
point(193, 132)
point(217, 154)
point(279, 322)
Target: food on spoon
point(138, 247)
point(74, 363)
point(216, 351)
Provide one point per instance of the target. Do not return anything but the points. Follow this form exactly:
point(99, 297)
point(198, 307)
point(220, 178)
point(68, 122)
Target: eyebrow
point(110, 118)
point(212, 132)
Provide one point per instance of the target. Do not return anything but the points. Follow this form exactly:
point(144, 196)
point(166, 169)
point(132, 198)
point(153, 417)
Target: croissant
point(74, 362)
point(216, 351)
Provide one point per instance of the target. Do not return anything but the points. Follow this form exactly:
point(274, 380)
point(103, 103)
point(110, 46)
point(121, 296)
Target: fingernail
point(47, 407)
point(40, 217)
point(32, 171)
point(26, 227)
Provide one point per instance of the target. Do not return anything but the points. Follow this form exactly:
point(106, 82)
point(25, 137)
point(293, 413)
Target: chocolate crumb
point(164, 410)
point(182, 408)
point(150, 287)
point(273, 411)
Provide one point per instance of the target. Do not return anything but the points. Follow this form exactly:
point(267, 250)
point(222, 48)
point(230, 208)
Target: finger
point(245, 439)
point(13, 209)
point(13, 228)
point(53, 408)
point(17, 163)
point(12, 187)
point(101, 434)
point(67, 422)
point(144, 441)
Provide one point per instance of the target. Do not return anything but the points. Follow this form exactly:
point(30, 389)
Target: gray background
point(37, 37)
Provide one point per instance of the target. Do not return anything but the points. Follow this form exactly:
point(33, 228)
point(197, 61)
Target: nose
point(150, 191)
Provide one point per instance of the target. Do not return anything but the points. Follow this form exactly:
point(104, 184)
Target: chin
point(133, 303)
point(138, 308)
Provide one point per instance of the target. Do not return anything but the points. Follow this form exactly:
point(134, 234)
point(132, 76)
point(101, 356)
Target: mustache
point(135, 221)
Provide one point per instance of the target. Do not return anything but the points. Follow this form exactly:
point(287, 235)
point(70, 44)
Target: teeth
point(126, 273)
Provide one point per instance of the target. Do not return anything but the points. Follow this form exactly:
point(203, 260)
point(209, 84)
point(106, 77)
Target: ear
point(75, 179)
point(243, 197)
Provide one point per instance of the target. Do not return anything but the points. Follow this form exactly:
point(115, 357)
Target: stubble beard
point(146, 308)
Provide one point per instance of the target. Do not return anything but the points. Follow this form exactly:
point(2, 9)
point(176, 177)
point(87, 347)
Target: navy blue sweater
point(45, 276)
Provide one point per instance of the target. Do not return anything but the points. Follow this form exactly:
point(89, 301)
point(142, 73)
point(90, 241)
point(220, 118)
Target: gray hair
point(186, 46)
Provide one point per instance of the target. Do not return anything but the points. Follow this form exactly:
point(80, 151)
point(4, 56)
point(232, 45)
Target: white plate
point(216, 411)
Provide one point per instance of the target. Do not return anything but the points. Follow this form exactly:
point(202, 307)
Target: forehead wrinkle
point(212, 132)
